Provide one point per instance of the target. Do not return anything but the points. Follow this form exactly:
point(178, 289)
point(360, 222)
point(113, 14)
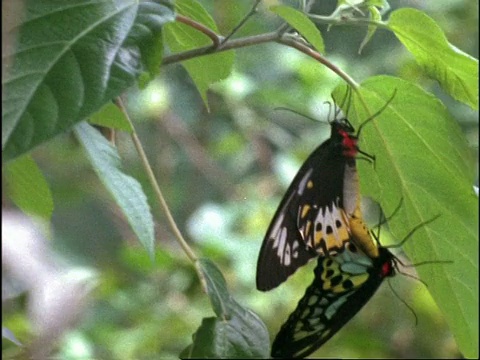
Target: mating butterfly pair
point(320, 216)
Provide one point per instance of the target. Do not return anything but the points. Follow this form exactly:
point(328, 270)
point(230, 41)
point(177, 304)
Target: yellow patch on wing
point(330, 231)
point(361, 235)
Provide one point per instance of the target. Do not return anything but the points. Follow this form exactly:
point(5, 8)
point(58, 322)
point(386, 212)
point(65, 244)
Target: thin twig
point(200, 27)
point(252, 11)
point(153, 181)
point(294, 43)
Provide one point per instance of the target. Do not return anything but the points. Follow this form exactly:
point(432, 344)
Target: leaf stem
point(153, 181)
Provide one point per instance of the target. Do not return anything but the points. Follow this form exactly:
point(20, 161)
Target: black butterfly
point(314, 215)
point(342, 285)
point(320, 211)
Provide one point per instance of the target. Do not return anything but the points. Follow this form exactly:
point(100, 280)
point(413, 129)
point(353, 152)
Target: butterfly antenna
point(409, 235)
point(377, 113)
point(296, 112)
point(348, 97)
point(429, 262)
point(388, 218)
point(404, 302)
point(398, 261)
point(378, 226)
point(329, 110)
point(338, 109)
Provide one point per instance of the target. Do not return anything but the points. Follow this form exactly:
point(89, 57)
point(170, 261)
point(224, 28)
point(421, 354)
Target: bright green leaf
point(126, 191)
point(423, 158)
point(28, 188)
point(456, 71)
point(300, 22)
point(205, 70)
point(112, 117)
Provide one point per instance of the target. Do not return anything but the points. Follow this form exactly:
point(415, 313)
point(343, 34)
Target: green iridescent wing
point(342, 286)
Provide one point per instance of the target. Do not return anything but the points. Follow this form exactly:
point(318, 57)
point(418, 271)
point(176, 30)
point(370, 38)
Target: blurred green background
point(223, 173)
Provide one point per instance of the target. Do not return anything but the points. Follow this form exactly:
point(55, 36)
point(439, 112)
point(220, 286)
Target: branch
point(216, 39)
point(231, 44)
point(300, 46)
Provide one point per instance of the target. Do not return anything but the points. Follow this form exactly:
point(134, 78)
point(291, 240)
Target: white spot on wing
point(282, 239)
point(295, 249)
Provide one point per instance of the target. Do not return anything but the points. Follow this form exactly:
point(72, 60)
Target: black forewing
point(285, 248)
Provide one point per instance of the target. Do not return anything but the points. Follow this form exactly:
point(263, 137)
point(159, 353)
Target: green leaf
point(126, 191)
point(69, 59)
point(205, 70)
point(112, 117)
point(236, 332)
point(423, 158)
point(216, 288)
point(147, 33)
point(28, 188)
point(456, 71)
point(300, 22)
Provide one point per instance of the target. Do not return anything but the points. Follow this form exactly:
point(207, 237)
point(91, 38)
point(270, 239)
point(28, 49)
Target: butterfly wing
point(312, 217)
point(342, 286)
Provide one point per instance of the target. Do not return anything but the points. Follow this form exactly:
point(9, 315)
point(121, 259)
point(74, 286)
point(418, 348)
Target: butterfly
point(318, 212)
point(342, 285)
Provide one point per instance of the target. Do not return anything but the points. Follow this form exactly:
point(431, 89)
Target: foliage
point(222, 172)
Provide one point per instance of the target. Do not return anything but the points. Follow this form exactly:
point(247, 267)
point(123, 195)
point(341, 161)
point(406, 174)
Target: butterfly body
point(313, 218)
point(343, 284)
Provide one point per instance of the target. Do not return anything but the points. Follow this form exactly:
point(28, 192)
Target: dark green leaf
point(126, 191)
point(243, 336)
point(216, 288)
point(147, 34)
point(72, 57)
point(236, 332)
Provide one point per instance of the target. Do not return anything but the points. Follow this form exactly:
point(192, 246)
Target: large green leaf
point(423, 158)
point(69, 59)
point(126, 191)
point(456, 71)
point(236, 332)
point(204, 70)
